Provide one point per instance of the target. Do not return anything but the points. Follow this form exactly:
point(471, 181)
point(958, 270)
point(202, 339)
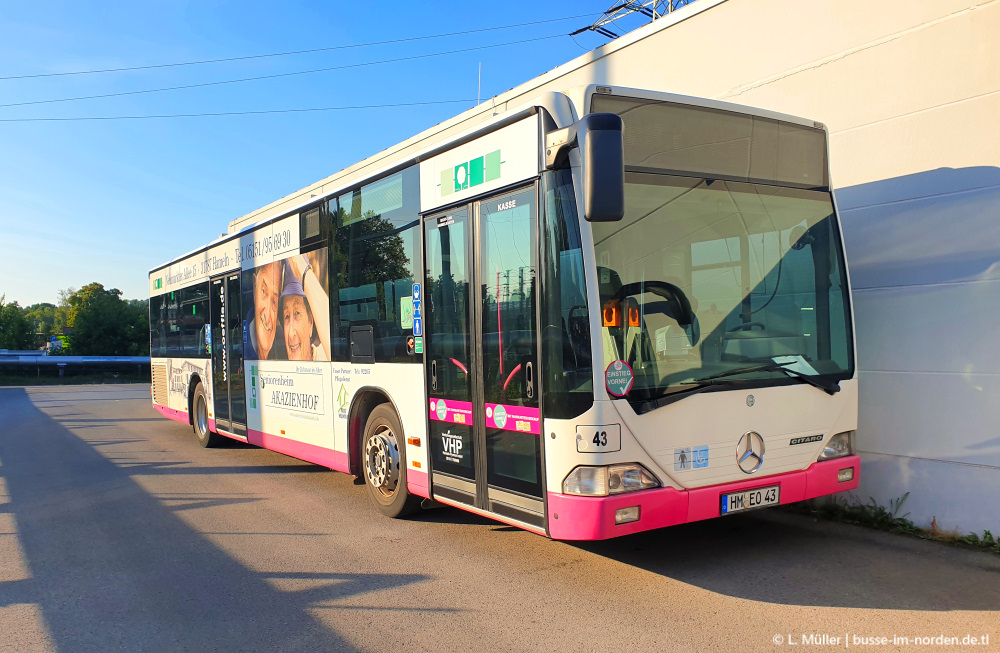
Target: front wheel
point(384, 462)
point(199, 419)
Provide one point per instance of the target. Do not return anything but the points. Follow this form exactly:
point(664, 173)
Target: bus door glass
point(237, 380)
point(448, 354)
point(227, 354)
point(508, 283)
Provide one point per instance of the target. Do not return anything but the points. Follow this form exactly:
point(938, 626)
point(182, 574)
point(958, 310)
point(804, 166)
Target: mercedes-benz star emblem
point(750, 452)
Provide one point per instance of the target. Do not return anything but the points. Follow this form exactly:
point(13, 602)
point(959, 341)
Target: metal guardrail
point(31, 359)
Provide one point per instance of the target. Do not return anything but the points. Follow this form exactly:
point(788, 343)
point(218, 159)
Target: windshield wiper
point(829, 387)
point(687, 389)
point(714, 381)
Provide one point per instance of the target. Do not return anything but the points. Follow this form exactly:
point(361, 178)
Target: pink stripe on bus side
point(522, 419)
point(451, 411)
point(336, 460)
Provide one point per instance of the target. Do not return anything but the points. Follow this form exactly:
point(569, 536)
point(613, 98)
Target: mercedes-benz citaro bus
point(603, 311)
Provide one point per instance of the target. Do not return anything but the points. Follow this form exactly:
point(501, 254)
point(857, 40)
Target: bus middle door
point(481, 349)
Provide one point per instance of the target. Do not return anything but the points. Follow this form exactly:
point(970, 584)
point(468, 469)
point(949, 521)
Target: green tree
point(367, 251)
point(104, 325)
point(16, 331)
point(43, 318)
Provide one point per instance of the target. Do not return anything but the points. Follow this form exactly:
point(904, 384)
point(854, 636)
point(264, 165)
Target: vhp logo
point(452, 444)
point(158, 283)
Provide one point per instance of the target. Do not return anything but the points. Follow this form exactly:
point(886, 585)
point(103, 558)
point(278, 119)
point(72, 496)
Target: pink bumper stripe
point(170, 413)
point(312, 453)
point(593, 518)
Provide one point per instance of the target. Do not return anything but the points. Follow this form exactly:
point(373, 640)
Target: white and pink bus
point(604, 311)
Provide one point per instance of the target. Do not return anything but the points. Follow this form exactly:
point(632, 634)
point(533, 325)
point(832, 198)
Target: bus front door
point(228, 382)
point(481, 346)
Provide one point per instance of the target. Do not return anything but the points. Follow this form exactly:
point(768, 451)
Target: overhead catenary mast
point(651, 9)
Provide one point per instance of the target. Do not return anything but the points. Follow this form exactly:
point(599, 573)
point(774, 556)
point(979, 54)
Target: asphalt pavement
point(118, 532)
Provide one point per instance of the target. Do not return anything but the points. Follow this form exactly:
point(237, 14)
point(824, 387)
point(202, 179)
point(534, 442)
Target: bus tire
point(383, 460)
point(199, 419)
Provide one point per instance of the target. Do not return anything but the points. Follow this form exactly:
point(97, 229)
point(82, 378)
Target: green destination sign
point(470, 174)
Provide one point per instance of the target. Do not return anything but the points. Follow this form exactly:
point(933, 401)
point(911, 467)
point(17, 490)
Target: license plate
point(749, 499)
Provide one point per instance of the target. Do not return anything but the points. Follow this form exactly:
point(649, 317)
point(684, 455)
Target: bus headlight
point(839, 446)
point(601, 481)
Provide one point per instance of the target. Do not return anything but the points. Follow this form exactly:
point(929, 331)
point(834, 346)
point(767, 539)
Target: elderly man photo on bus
point(265, 341)
point(303, 290)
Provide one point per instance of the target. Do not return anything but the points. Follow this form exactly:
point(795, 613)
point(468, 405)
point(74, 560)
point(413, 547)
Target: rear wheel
point(384, 463)
point(199, 419)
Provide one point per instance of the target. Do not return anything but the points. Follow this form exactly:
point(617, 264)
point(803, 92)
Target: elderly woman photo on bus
point(264, 339)
point(303, 325)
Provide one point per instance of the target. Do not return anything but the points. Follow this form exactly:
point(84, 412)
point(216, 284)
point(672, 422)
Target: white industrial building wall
point(911, 94)
point(910, 90)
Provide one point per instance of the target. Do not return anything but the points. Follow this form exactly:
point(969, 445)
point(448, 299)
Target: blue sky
point(105, 201)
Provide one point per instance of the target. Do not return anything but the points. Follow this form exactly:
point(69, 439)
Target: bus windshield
point(722, 279)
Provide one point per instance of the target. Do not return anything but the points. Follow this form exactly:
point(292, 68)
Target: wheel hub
point(382, 461)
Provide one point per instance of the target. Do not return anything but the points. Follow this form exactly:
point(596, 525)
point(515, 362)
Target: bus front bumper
point(593, 518)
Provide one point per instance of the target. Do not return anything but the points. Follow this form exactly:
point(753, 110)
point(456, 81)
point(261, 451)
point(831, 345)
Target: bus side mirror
point(599, 137)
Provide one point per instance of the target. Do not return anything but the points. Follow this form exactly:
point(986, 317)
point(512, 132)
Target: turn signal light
point(611, 316)
point(633, 313)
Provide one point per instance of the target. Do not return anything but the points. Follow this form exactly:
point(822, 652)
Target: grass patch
point(888, 518)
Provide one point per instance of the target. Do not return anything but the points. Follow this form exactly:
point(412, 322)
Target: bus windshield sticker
point(406, 312)
point(795, 364)
point(619, 378)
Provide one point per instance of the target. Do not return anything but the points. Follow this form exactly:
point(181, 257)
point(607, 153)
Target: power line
point(285, 54)
point(236, 113)
point(277, 75)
